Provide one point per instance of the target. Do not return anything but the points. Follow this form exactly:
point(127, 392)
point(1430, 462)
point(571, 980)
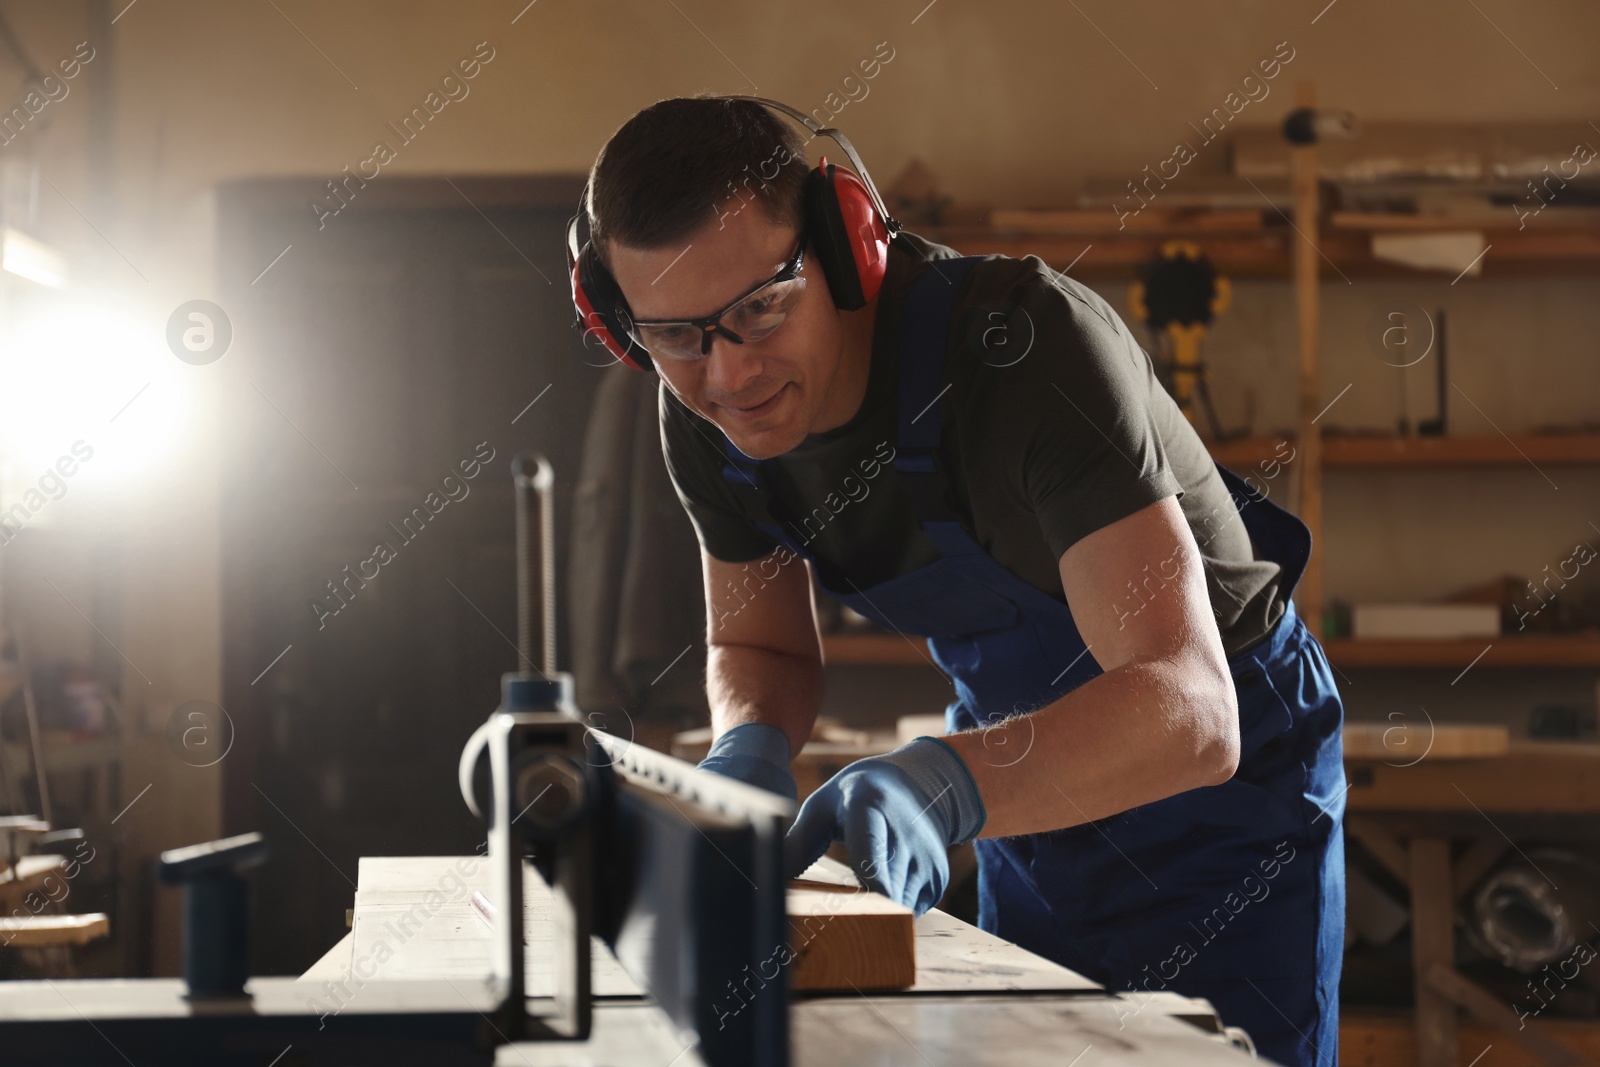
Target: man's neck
point(855, 366)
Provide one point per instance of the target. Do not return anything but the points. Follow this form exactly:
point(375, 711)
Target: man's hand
point(897, 814)
point(755, 753)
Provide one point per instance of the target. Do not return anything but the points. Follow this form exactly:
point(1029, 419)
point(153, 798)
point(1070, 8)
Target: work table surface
point(977, 1000)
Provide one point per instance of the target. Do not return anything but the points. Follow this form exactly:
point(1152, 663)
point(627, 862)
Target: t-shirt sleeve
point(692, 450)
point(1087, 435)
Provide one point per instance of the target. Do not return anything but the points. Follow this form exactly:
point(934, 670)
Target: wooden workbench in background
point(1408, 817)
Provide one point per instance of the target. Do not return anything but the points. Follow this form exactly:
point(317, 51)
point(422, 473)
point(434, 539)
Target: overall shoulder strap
point(745, 478)
point(924, 333)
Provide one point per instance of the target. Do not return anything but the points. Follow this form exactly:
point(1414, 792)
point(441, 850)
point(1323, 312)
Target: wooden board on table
point(415, 920)
point(951, 956)
point(956, 957)
point(847, 937)
point(1403, 742)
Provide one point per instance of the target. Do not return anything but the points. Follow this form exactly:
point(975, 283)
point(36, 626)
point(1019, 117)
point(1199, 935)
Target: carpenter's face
point(766, 394)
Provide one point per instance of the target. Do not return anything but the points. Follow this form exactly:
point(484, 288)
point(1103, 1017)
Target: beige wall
point(1009, 104)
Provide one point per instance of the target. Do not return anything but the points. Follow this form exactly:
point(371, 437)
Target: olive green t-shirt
point(1053, 425)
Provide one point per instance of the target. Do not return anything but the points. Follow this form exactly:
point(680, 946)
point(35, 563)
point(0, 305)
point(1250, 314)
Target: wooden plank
point(951, 956)
point(957, 957)
point(415, 920)
point(1389, 451)
point(1150, 220)
point(334, 964)
point(1236, 255)
point(1450, 983)
point(38, 931)
point(1384, 846)
point(1386, 741)
point(28, 876)
point(1432, 942)
point(1396, 222)
point(847, 938)
point(1374, 1037)
point(1556, 778)
point(1576, 650)
point(1264, 253)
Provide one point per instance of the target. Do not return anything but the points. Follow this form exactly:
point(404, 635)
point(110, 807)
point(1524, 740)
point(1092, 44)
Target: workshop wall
point(1008, 105)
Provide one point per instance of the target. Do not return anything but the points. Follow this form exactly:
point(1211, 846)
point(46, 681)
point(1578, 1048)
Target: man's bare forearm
point(1131, 736)
point(749, 684)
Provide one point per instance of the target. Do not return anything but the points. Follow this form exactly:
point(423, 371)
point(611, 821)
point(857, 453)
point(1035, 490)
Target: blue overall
point(1232, 892)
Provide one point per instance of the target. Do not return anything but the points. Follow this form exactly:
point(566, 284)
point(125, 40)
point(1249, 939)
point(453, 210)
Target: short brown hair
point(680, 163)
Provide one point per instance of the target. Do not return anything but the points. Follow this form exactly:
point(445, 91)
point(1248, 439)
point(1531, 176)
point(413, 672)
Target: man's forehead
point(702, 275)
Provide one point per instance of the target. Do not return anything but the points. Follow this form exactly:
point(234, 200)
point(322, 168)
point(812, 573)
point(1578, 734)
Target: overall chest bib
point(1232, 892)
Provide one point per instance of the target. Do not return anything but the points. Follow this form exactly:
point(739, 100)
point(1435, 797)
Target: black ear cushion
point(825, 223)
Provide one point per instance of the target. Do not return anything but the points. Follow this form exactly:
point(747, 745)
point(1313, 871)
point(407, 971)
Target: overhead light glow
point(95, 371)
point(26, 258)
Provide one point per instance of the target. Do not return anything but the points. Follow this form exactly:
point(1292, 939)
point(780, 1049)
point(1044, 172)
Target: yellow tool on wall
point(1177, 297)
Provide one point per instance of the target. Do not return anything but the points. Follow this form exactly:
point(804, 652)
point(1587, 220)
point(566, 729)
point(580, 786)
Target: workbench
point(1409, 813)
point(977, 1000)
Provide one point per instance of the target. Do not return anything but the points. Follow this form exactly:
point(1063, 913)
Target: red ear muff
point(602, 311)
point(850, 236)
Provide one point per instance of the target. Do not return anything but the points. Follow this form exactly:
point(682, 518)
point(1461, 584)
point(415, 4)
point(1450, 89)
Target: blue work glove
point(755, 753)
point(896, 814)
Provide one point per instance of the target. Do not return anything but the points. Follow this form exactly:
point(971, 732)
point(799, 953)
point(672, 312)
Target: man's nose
point(730, 366)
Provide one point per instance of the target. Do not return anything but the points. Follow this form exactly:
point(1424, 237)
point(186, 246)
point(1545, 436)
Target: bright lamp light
point(26, 258)
point(94, 371)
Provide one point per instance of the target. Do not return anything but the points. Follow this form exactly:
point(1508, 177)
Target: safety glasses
point(751, 317)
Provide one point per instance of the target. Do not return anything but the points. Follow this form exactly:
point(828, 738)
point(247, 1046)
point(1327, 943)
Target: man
point(1145, 744)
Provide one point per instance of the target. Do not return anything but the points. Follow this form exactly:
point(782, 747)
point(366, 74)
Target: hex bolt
point(550, 793)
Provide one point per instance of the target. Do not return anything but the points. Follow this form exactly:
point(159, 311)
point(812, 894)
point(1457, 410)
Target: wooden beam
point(1406, 745)
point(31, 873)
point(1306, 269)
point(1534, 778)
point(846, 938)
point(1432, 943)
point(41, 931)
point(1384, 846)
point(1386, 1036)
point(1486, 1008)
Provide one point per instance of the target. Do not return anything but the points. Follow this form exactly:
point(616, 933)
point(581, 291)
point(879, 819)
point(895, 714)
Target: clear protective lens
point(764, 310)
point(677, 341)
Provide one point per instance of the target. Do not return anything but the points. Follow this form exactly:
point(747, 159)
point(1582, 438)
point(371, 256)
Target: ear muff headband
point(849, 224)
